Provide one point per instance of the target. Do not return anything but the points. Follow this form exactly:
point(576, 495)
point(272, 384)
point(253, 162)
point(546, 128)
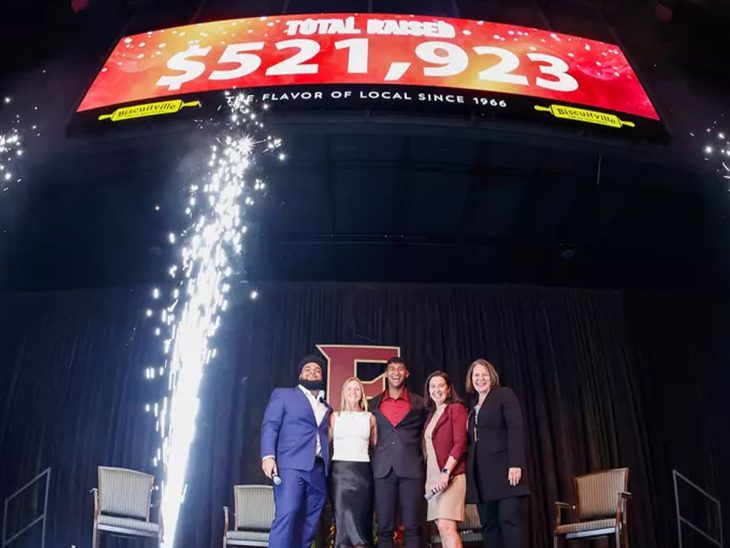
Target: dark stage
point(597, 371)
point(590, 267)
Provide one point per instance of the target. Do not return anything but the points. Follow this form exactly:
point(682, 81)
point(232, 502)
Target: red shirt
point(395, 409)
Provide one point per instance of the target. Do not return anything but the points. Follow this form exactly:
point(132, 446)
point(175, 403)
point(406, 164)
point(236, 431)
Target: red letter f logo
point(342, 363)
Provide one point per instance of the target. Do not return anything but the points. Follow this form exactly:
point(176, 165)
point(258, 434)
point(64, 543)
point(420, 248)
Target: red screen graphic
point(403, 50)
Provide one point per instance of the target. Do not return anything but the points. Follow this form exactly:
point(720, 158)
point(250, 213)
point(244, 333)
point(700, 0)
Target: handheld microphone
point(276, 479)
point(433, 492)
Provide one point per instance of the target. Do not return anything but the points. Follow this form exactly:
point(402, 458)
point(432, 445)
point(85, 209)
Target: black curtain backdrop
point(605, 379)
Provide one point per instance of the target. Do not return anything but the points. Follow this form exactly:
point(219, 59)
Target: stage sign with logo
point(377, 61)
point(345, 361)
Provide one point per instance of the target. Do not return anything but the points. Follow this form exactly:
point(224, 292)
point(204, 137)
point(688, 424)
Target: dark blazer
point(500, 445)
point(289, 431)
point(399, 447)
point(449, 437)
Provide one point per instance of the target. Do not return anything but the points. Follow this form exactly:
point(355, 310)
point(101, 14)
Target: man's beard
point(312, 384)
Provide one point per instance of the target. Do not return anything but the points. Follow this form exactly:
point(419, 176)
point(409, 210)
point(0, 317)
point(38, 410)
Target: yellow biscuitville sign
point(148, 109)
point(585, 115)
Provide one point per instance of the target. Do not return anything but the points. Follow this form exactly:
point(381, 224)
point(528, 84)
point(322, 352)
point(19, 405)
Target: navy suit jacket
point(289, 431)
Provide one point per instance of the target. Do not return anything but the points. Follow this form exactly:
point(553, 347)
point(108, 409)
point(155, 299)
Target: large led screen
point(326, 60)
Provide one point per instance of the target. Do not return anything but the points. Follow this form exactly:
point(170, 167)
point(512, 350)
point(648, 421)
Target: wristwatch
point(445, 470)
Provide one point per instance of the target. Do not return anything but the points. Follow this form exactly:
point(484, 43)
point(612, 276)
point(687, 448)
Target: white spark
point(721, 168)
point(10, 150)
point(209, 252)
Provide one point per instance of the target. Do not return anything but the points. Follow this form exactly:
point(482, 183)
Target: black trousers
point(393, 494)
point(503, 522)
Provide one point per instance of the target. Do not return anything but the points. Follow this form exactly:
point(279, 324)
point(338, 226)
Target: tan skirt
point(449, 503)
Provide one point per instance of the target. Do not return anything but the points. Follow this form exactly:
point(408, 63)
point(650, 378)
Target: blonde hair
point(363, 398)
point(493, 375)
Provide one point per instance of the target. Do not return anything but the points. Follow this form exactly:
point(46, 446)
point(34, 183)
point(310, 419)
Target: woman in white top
point(352, 430)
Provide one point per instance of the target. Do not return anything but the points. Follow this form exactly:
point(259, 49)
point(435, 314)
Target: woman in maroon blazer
point(444, 445)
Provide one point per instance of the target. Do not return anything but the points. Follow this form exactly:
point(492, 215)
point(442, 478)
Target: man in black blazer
point(397, 459)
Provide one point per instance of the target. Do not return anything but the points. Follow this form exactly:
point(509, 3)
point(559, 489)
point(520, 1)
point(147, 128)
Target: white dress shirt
point(319, 409)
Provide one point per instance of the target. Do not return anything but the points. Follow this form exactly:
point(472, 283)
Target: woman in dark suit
point(495, 471)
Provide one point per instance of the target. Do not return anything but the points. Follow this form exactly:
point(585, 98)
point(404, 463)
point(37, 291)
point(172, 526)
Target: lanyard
point(476, 422)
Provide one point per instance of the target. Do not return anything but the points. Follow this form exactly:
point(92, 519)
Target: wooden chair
point(600, 508)
point(252, 516)
point(122, 505)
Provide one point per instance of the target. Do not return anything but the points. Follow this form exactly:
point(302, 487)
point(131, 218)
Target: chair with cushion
point(252, 516)
point(122, 505)
point(470, 530)
point(600, 508)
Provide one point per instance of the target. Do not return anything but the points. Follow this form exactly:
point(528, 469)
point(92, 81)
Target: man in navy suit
point(295, 447)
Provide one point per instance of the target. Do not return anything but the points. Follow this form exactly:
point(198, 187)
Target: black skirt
point(351, 487)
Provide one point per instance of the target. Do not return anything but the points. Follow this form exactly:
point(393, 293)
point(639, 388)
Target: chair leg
point(617, 536)
point(556, 541)
point(95, 537)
